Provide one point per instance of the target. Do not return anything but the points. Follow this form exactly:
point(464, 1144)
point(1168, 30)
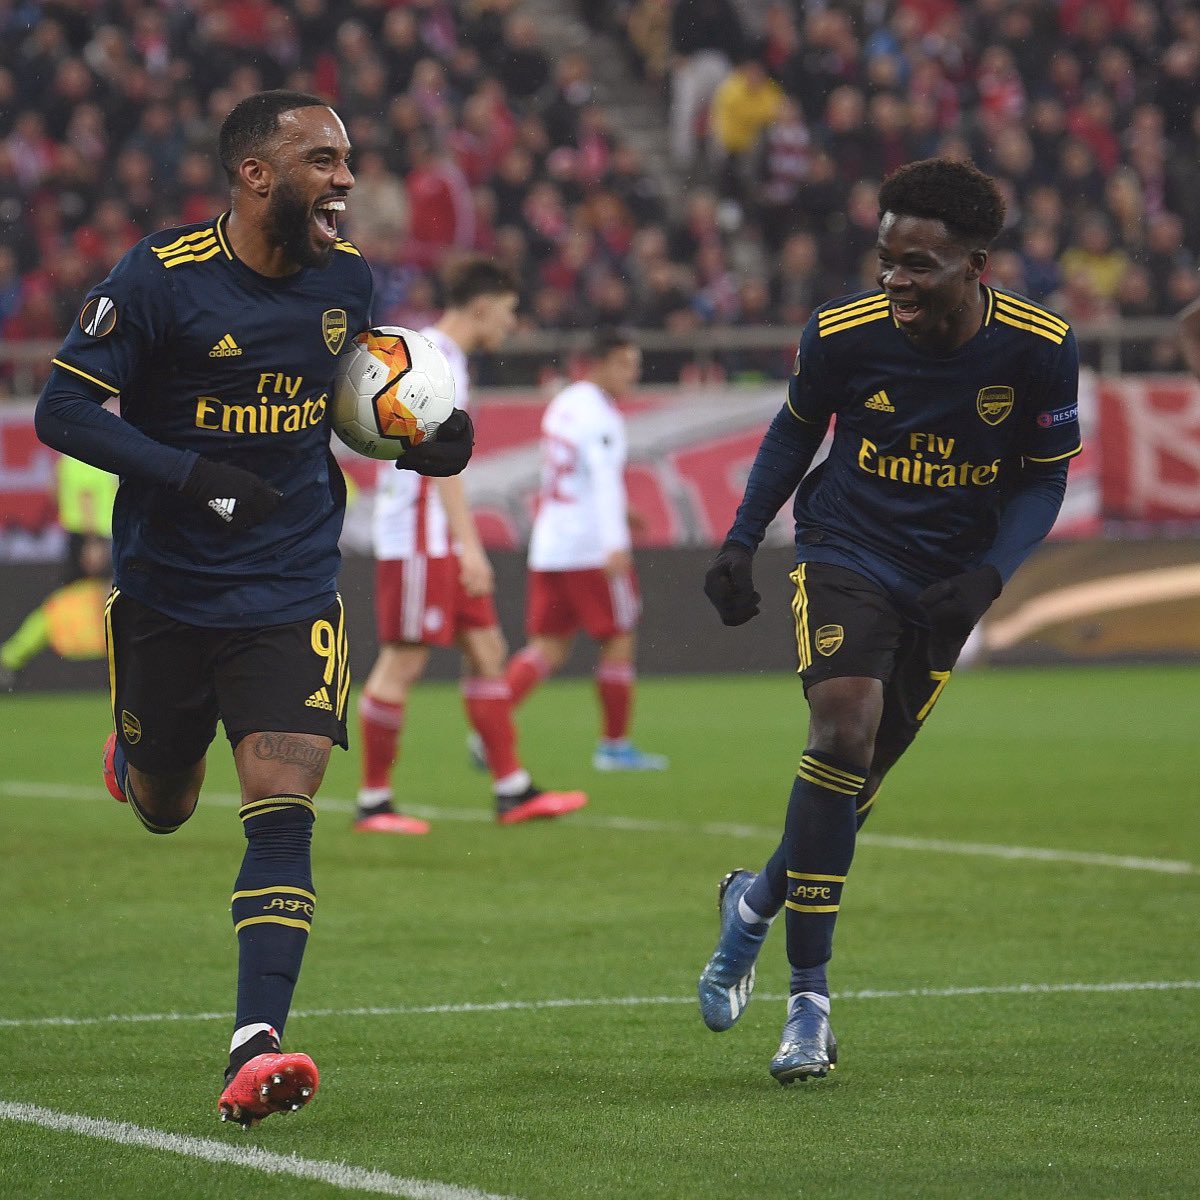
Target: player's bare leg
point(615, 679)
point(273, 906)
point(488, 701)
point(381, 710)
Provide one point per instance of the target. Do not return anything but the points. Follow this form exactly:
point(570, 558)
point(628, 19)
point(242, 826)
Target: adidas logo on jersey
point(223, 508)
point(880, 402)
point(225, 348)
point(319, 699)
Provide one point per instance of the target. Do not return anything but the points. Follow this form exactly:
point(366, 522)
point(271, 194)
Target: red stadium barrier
point(690, 450)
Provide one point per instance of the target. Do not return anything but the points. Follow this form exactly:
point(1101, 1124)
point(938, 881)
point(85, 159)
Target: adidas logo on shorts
point(223, 508)
point(319, 699)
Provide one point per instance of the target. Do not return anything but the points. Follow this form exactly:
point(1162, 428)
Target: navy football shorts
point(846, 625)
point(170, 682)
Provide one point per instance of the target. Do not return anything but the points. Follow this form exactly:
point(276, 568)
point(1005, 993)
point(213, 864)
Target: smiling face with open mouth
point(932, 281)
point(312, 180)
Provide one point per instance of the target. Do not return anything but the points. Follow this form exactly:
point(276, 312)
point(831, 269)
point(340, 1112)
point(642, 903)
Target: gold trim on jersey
point(189, 247)
point(347, 247)
point(841, 310)
point(66, 366)
point(795, 414)
point(847, 316)
point(1021, 314)
point(1056, 457)
point(989, 310)
point(220, 232)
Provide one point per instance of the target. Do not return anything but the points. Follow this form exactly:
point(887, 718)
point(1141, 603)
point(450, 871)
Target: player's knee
point(847, 734)
point(163, 803)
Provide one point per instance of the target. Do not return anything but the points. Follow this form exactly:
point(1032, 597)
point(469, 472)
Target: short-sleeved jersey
point(926, 448)
point(582, 514)
point(409, 518)
point(207, 355)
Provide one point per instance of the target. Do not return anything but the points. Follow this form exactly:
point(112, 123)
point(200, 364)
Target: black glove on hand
point(237, 499)
point(729, 585)
point(447, 452)
point(955, 605)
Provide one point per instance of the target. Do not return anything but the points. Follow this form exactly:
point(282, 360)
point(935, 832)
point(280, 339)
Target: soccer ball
point(393, 389)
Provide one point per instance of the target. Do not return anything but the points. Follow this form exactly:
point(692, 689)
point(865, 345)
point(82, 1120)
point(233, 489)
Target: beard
point(288, 219)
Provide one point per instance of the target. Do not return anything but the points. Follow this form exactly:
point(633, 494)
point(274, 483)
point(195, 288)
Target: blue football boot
point(625, 756)
point(808, 1049)
point(727, 981)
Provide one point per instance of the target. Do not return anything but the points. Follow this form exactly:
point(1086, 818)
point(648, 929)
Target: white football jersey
point(409, 518)
point(582, 514)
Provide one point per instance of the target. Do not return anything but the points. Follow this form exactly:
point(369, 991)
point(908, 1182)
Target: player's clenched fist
point(955, 605)
point(729, 584)
point(447, 452)
point(237, 499)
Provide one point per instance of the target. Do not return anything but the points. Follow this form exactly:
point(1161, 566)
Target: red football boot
point(532, 804)
point(268, 1083)
point(388, 820)
point(110, 776)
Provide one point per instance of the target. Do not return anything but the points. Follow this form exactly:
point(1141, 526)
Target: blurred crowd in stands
point(470, 133)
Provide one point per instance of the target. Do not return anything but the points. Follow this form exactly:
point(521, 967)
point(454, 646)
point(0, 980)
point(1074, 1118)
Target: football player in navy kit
point(221, 340)
point(956, 415)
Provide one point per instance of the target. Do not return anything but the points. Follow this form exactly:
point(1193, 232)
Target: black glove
point(447, 452)
point(235, 498)
point(955, 605)
point(729, 585)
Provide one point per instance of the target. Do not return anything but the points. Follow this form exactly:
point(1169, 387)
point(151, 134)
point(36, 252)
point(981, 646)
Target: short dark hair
point(254, 121)
point(608, 338)
point(475, 276)
point(956, 193)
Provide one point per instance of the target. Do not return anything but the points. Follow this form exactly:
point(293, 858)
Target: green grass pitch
point(954, 1093)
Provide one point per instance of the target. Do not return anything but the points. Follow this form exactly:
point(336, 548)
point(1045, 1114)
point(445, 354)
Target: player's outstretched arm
point(447, 453)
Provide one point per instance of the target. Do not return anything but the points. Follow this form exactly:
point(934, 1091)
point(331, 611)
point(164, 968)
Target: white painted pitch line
point(504, 1006)
point(1122, 862)
point(341, 1175)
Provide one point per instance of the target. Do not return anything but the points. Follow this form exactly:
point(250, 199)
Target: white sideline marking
point(1123, 862)
point(356, 1179)
point(501, 1006)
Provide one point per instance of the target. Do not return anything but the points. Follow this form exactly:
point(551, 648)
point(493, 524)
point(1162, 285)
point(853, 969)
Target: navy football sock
point(865, 806)
point(768, 892)
point(819, 837)
point(273, 903)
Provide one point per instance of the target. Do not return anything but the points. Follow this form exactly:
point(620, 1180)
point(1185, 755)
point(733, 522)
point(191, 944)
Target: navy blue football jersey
point(209, 356)
point(926, 447)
